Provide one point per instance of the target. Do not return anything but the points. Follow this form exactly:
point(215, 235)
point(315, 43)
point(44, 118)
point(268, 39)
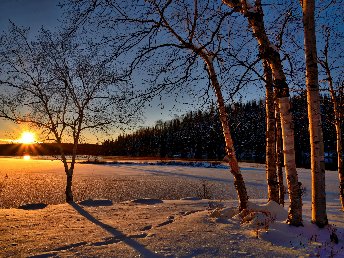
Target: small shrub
point(205, 192)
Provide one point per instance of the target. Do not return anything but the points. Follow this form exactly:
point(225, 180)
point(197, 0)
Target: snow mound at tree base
point(268, 222)
point(254, 214)
point(327, 241)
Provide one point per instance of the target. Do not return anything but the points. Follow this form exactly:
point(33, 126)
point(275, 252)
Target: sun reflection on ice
point(26, 157)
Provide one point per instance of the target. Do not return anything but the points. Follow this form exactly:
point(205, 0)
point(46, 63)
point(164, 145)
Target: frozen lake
point(27, 181)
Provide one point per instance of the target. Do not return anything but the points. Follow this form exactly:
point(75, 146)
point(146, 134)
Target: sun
point(27, 138)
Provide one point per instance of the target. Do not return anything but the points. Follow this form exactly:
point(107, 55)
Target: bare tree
point(200, 42)
point(269, 52)
point(270, 160)
point(59, 86)
point(325, 63)
point(177, 44)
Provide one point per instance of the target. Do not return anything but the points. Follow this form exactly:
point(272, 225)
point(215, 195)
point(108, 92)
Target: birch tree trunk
point(279, 156)
point(233, 162)
point(270, 53)
point(208, 57)
point(270, 163)
point(319, 215)
point(295, 208)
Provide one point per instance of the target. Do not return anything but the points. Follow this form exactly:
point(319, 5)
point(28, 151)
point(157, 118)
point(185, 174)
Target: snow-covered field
point(163, 226)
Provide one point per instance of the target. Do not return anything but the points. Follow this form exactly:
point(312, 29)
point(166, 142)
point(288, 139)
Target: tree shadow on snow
point(200, 177)
point(32, 206)
point(118, 236)
point(96, 203)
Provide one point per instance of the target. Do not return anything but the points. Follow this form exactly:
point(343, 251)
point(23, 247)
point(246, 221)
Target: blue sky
point(38, 13)
point(32, 13)
point(46, 13)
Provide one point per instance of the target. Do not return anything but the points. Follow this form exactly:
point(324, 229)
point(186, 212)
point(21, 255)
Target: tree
point(270, 163)
point(270, 130)
point(319, 216)
point(324, 61)
point(279, 155)
point(174, 41)
point(199, 45)
point(61, 87)
point(270, 53)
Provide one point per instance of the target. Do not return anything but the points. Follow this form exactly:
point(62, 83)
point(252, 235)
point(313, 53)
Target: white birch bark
point(270, 53)
point(233, 162)
point(270, 163)
point(319, 215)
point(279, 156)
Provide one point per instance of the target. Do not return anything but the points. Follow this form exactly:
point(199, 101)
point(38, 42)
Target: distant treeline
point(49, 149)
point(199, 134)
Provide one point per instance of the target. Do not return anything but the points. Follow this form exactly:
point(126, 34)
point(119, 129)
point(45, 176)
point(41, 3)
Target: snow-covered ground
point(163, 226)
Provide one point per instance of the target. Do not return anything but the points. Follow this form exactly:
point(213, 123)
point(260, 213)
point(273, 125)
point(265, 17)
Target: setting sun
point(27, 138)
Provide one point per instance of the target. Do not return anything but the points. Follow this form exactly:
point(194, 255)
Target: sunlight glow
point(26, 157)
point(27, 138)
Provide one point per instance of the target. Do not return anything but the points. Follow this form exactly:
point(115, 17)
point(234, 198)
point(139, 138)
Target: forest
point(48, 149)
point(197, 134)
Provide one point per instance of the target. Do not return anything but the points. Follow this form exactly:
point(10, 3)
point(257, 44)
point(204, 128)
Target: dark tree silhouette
point(61, 87)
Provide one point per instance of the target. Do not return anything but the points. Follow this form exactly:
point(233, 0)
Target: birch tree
point(274, 185)
point(319, 215)
point(279, 155)
point(269, 52)
point(59, 86)
point(191, 39)
point(270, 163)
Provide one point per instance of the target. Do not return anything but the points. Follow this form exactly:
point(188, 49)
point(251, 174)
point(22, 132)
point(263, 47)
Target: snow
point(150, 225)
point(171, 163)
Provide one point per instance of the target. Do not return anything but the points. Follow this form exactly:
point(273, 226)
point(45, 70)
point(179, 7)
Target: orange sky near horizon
point(11, 132)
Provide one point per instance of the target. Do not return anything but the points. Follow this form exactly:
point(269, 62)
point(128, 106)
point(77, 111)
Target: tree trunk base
point(69, 193)
point(320, 224)
point(69, 197)
point(241, 190)
point(341, 193)
point(294, 223)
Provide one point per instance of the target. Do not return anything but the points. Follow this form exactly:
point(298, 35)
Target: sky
point(34, 14)
point(46, 13)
